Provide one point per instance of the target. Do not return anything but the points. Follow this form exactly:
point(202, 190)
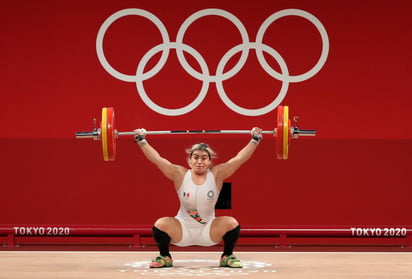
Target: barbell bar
point(108, 134)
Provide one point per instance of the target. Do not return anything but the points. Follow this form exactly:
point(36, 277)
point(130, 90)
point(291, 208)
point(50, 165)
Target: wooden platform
point(280, 265)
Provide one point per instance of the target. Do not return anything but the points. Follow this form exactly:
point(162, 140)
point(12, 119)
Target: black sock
point(230, 239)
point(162, 239)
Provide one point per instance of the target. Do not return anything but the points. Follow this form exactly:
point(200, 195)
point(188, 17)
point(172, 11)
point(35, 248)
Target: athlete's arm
point(228, 168)
point(172, 171)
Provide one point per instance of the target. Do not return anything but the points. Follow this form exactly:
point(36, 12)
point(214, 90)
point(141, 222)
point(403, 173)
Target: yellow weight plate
point(279, 133)
point(103, 134)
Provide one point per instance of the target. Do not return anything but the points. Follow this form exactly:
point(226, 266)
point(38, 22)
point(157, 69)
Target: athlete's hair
point(202, 147)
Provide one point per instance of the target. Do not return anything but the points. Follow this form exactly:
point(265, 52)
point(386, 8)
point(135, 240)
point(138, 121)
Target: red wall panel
point(52, 84)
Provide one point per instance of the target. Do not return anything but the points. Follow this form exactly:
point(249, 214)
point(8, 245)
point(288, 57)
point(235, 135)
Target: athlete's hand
point(140, 135)
point(140, 132)
point(256, 134)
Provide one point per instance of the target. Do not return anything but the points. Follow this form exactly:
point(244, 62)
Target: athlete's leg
point(165, 229)
point(227, 229)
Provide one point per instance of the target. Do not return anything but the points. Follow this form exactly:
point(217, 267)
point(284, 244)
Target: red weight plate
point(111, 136)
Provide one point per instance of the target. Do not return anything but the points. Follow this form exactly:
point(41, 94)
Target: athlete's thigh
point(171, 226)
point(220, 226)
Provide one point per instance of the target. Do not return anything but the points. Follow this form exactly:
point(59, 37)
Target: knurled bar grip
point(92, 134)
point(193, 132)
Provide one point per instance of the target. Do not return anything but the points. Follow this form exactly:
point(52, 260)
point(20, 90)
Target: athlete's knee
point(228, 223)
point(231, 223)
point(163, 223)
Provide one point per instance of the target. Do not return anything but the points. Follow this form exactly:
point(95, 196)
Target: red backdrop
point(355, 172)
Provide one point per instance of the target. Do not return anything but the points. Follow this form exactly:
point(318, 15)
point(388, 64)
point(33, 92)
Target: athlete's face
point(199, 161)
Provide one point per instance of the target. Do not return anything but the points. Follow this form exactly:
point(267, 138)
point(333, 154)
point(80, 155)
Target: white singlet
point(197, 210)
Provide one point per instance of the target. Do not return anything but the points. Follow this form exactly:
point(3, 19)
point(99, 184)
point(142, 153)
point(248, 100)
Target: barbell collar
point(296, 132)
point(95, 134)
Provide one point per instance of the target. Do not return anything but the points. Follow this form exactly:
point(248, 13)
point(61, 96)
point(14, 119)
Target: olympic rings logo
point(204, 75)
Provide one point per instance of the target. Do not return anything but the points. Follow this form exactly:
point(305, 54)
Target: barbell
point(108, 134)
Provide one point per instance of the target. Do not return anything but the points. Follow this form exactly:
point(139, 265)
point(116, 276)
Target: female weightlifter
point(198, 189)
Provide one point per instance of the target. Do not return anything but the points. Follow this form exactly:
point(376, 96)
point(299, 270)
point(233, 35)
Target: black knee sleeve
point(230, 238)
point(162, 240)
